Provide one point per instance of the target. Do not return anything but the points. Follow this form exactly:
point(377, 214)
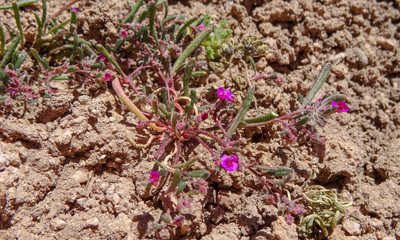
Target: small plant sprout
point(323, 211)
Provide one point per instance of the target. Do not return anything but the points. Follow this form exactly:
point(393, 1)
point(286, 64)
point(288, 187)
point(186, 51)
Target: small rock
point(80, 176)
point(3, 162)
point(340, 70)
point(14, 160)
point(92, 223)
point(387, 44)
point(352, 227)
point(362, 58)
point(58, 224)
point(389, 238)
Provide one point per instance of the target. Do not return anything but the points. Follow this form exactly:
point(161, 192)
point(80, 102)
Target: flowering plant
point(166, 50)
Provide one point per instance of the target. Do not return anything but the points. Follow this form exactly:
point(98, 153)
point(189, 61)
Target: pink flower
point(123, 33)
point(225, 94)
point(154, 177)
point(201, 26)
point(75, 10)
point(102, 57)
point(342, 107)
point(289, 219)
point(230, 163)
point(107, 77)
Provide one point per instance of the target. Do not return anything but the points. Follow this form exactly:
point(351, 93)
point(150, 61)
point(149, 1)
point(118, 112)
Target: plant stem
point(129, 104)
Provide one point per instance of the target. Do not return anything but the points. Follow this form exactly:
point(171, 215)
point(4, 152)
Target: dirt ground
point(68, 172)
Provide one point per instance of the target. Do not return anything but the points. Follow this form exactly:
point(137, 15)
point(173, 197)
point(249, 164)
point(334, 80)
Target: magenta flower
point(123, 33)
point(102, 57)
point(75, 10)
point(230, 163)
point(289, 219)
point(201, 26)
point(225, 94)
point(154, 177)
point(342, 107)
point(107, 77)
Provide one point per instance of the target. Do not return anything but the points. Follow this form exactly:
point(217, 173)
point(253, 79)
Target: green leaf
point(204, 107)
point(166, 218)
point(214, 42)
point(75, 49)
point(59, 78)
point(56, 26)
point(182, 32)
point(181, 187)
point(3, 78)
point(276, 171)
point(159, 164)
point(2, 41)
point(20, 60)
point(118, 45)
point(199, 73)
point(302, 121)
point(204, 174)
point(164, 96)
point(44, 13)
point(104, 51)
point(323, 75)
point(152, 25)
point(18, 21)
point(175, 181)
point(264, 118)
point(133, 11)
point(337, 97)
point(188, 163)
point(72, 69)
point(186, 76)
point(10, 50)
point(190, 49)
point(72, 26)
point(43, 61)
point(193, 96)
point(242, 111)
point(143, 16)
point(46, 95)
point(165, 2)
point(21, 3)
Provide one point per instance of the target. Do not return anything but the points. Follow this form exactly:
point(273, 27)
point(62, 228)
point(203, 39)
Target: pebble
point(92, 223)
point(80, 176)
point(3, 162)
point(58, 224)
point(352, 227)
point(362, 58)
point(387, 44)
point(389, 238)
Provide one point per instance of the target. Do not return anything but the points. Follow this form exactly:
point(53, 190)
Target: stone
point(92, 223)
point(351, 227)
point(58, 224)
